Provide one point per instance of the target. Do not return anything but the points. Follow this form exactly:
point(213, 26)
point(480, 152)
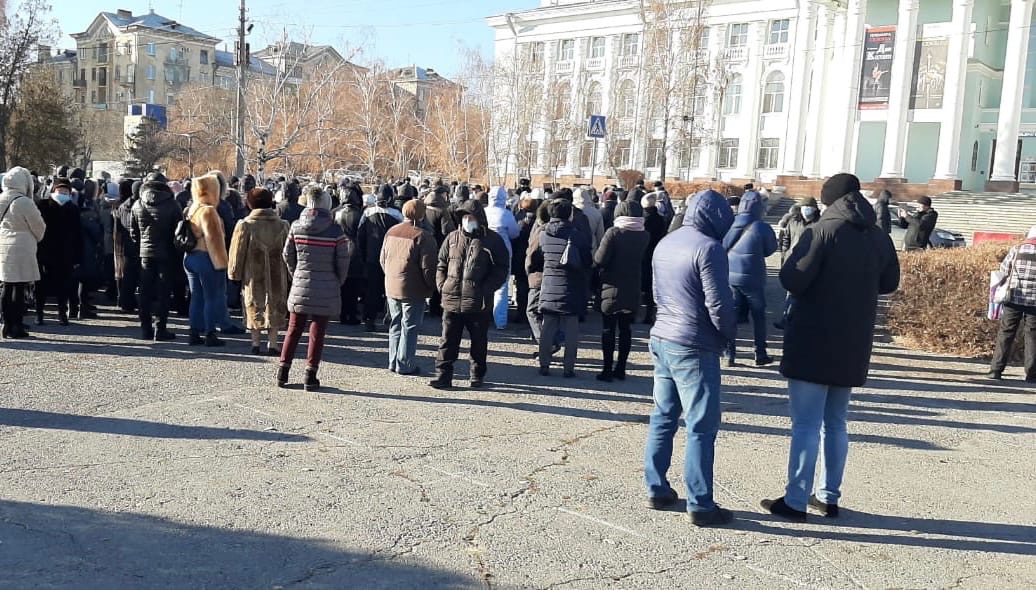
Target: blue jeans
point(818, 414)
point(756, 303)
point(208, 292)
point(501, 303)
point(407, 315)
point(687, 385)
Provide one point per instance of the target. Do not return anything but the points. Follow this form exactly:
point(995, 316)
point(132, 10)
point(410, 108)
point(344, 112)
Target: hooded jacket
point(317, 254)
point(21, 228)
point(471, 266)
point(374, 226)
point(583, 201)
point(835, 274)
point(533, 253)
point(748, 243)
point(793, 225)
point(155, 216)
point(564, 291)
point(348, 217)
point(257, 260)
point(500, 218)
point(205, 220)
point(881, 209)
point(655, 226)
point(692, 285)
point(620, 260)
point(438, 217)
point(61, 248)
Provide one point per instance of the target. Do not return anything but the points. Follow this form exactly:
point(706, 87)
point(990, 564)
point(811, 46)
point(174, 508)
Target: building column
point(852, 55)
point(798, 89)
point(1003, 177)
point(748, 154)
point(894, 158)
point(948, 159)
point(814, 118)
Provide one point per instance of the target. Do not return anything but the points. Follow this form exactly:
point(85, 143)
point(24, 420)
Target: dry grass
point(942, 300)
point(679, 189)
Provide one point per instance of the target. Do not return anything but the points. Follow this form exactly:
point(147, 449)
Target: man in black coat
point(438, 218)
point(348, 216)
point(473, 263)
point(370, 238)
point(919, 225)
point(834, 274)
point(60, 251)
point(155, 217)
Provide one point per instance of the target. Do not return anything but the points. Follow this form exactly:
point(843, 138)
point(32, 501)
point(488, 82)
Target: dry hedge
point(942, 300)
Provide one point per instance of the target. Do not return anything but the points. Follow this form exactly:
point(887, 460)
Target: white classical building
point(919, 94)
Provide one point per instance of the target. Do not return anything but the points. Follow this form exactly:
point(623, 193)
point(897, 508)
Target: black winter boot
point(162, 334)
point(619, 374)
point(442, 381)
point(147, 331)
point(62, 318)
point(282, 375)
point(195, 339)
point(311, 383)
point(212, 341)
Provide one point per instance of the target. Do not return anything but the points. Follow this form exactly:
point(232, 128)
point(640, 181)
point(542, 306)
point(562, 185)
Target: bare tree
point(21, 32)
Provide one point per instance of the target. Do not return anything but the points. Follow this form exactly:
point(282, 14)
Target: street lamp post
point(190, 150)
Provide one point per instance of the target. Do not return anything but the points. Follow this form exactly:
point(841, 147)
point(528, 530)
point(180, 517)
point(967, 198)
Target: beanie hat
point(924, 200)
point(629, 209)
point(62, 183)
point(837, 187)
point(560, 209)
point(808, 202)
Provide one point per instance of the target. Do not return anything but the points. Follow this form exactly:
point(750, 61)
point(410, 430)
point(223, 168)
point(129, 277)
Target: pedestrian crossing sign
point(596, 128)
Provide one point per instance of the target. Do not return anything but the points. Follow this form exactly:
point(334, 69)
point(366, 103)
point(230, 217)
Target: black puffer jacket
point(155, 216)
point(370, 236)
point(348, 217)
point(61, 247)
point(471, 267)
point(835, 274)
point(438, 217)
point(564, 290)
point(526, 219)
point(656, 228)
point(620, 260)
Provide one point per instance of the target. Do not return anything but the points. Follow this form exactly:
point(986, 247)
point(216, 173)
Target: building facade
point(919, 94)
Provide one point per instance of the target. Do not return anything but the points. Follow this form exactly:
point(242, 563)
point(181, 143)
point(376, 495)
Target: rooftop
point(124, 19)
point(226, 59)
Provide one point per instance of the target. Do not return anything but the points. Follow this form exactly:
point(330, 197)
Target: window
point(117, 73)
point(974, 156)
point(597, 47)
point(560, 105)
point(654, 153)
point(82, 73)
point(703, 39)
point(151, 49)
point(102, 77)
point(631, 44)
point(149, 72)
point(624, 150)
point(93, 97)
point(536, 53)
point(151, 96)
point(627, 106)
point(779, 31)
point(691, 153)
point(699, 95)
point(531, 154)
point(768, 148)
point(102, 95)
point(773, 93)
point(93, 74)
point(594, 100)
point(567, 50)
point(732, 100)
point(559, 153)
point(728, 153)
point(102, 53)
point(586, 155)
point(1027, 172)
point(204, 57)
point(738, 35)
point(129, 72)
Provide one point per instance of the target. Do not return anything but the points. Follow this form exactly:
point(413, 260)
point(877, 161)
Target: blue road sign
point(596, 128)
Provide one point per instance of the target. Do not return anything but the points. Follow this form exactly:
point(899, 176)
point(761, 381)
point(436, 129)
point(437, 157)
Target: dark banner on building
point(878, 49)
point(929, 73)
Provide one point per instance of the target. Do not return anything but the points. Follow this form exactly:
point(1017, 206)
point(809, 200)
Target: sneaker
point(762, 361)
point(213, 341)
point(828, 510)
point(715, 517)
point(779, 508)
point(663, 502)
point(195, 339)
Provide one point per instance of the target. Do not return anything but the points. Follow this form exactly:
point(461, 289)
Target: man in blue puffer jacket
point(748, 243)
point(694, 323)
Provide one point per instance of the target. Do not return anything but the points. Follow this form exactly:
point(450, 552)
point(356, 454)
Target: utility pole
point(242, 69)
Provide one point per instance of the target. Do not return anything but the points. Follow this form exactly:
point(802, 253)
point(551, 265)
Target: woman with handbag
point(567, 260)
point(21, 228)
point(1017, 293)
point(206, 262)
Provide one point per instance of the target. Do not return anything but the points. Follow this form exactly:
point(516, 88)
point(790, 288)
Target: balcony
point(564, 67)
point(595, 64)
point(629, 61)
point(776, 51)
point(736, 54)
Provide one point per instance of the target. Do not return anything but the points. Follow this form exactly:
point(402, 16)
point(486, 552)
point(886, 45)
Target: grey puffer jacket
point(317, 253)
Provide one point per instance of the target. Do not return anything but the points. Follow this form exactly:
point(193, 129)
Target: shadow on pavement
point(72, 547)
point(128, 427)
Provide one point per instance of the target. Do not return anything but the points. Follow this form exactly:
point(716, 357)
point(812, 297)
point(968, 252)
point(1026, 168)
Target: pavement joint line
point(205, 401)
point(812, 549)
point(260, 412)
point(602, 522)
point(460, 476)
point(339, 438)
point(771, 574)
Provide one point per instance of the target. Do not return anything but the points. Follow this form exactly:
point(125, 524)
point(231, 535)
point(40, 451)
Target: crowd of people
point(294, 257)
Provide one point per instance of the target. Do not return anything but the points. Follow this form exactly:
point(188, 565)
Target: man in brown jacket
point(408, 260)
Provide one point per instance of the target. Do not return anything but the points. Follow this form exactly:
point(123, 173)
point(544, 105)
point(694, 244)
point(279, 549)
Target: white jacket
point(20, 230)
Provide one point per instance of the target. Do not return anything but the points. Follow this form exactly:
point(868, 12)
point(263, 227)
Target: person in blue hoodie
point(748, 243)
point(502, 221)
point(694, 324)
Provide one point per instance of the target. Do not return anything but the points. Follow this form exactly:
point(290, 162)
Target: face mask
point(61, 198)
point(808, 212)
point(470, 226)
point(873, 202)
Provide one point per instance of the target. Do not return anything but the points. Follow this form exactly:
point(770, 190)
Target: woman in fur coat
point(206, 265)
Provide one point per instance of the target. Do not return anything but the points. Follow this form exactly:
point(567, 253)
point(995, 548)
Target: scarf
point(630, 223)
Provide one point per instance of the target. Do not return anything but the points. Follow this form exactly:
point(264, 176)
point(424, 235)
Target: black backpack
point(184, 239)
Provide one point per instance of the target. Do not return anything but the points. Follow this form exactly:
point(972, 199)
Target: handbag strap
point(8, 208)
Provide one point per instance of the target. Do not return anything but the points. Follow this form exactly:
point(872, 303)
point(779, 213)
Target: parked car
point(941, 237)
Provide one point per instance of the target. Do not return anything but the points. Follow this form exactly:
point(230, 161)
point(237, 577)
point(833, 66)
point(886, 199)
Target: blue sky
point(399, 32)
